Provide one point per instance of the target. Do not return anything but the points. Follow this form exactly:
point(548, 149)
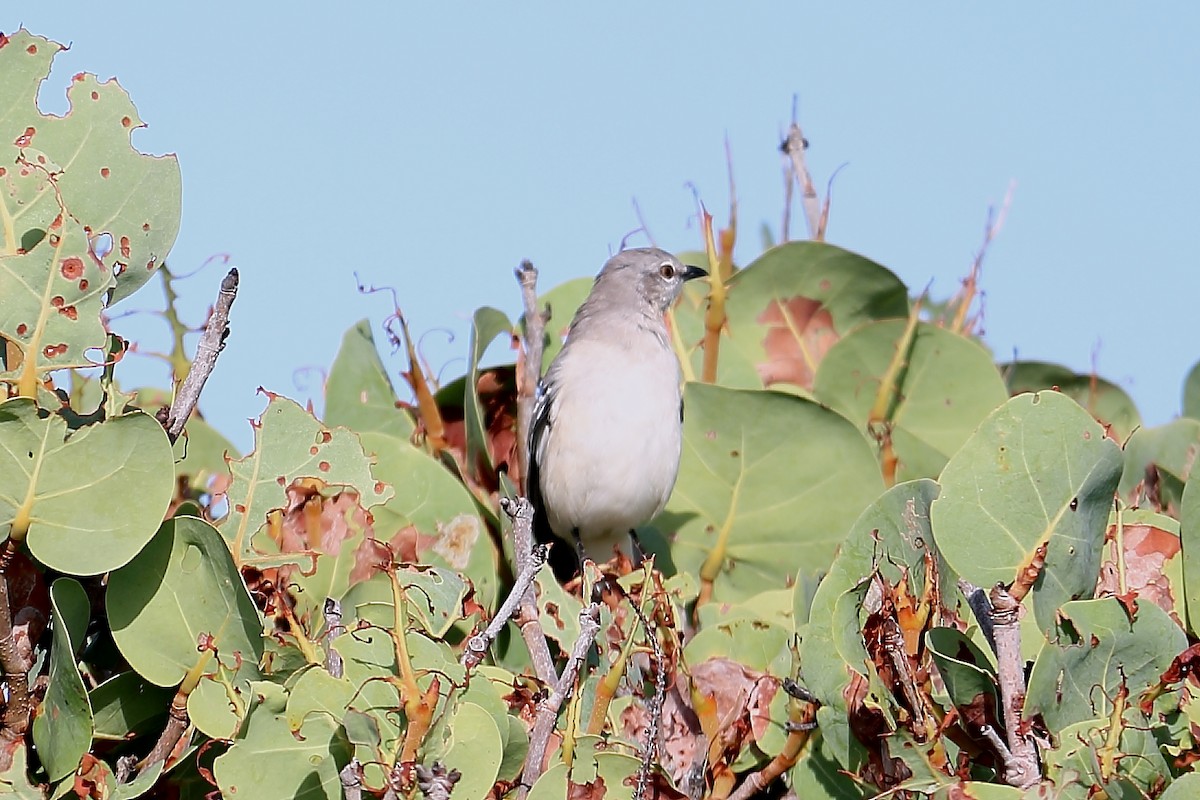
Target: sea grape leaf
point(128, 704)
point(1150, 564)
point(436, 595)
point(182, 586)
point(289, 443)
point(1183, 788)
point(91, 501)
point(1039, 470)
point(1094, 648)
point(757, 471)
point(966, 669)
point(84, 162)
point(1191, 392)
point(594, 772)
point(787, 308)
point(947, 387)
point(270, 762)
point(62, 729)
point(476, 751)
point(1076, 763)
point(1108, 403)
point(358, 394)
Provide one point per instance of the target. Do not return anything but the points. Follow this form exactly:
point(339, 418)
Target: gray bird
point(606, 434)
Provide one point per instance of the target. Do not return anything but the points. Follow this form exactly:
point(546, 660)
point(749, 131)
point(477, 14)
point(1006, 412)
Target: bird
point(606, 435)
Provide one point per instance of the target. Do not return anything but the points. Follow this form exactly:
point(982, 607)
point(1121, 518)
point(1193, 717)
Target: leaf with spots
point(289, 444)
point(1039, 470)
point(82, 163)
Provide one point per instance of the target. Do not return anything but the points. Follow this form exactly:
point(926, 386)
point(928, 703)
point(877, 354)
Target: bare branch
point(333, 629)
point(478, 645)
point(351, 778)
point(1022, 770)
point(520, 512)
point(16, 661)
point(547, 712)
point(793, 147)
point(210, 346)
point(530, 370)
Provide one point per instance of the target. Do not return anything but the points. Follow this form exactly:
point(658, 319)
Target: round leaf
point(756, 478)
point(358, 394)
point(62, 729)
point(181, 586)
point(1038, 470)
point(93, 500)
point(1108, 403)
point(476, 750)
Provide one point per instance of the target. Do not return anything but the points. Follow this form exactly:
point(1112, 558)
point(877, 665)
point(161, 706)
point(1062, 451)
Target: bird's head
point(653, 276)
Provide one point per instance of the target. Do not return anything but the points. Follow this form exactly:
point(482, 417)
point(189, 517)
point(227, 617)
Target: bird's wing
point(539, 427)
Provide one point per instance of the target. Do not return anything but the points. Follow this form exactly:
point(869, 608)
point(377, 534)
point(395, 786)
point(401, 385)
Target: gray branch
point(210, 346)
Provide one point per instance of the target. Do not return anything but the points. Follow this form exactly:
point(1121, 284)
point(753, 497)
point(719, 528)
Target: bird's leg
point(579, 551)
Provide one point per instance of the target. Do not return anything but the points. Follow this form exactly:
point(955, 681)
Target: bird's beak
point(690, 272)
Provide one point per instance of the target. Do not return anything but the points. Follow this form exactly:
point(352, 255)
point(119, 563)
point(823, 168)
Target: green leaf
point(1171, 450)
point(269, 762)
point(564, 300)
point(127, 704)
point(449, 531)
point(1185, 787)
point(137, 787)
point(358, 394)
point(891, 534)
point(289, 443)
point(92, 501)
point(486, 325)
point(1038, 470)
point(788, 307)
point(201, 454)
point(757, 471)
point(947, 388)
point(436, 598)
point(1189, 539)
point(14, 782)
point(1076, 763)
point(476, 750)
point(181, 586)
point(607, 774)
point(1093, 650)
point(85, 157)
point(1108, 403)
point(757, 629)
point(965, 668)
point(62, 729)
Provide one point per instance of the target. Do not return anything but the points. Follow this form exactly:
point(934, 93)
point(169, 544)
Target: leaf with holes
point(755, 480)
point(1038, 471)
point(84, 164)
point(289, 444)
point(85, 504)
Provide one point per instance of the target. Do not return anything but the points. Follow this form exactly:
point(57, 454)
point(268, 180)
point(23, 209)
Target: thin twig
point(177, 723)
point(547, 711)
point(520, 512)
point(210, 346)
point(436, 782)
point(653, 730)
point(793, 147)
point(333, 629)
point(970, 284)
point(478, 644)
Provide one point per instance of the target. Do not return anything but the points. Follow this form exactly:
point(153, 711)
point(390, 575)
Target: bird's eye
point(667, 270)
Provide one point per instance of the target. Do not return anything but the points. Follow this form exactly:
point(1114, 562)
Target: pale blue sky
point(433, 147)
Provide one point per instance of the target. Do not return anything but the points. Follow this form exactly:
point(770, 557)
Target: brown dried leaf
point(800, 333)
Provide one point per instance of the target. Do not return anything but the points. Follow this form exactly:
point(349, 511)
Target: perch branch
point(16, 662)
point(520, 512)
point(351, 778)
point(530, 371)
point(547, 712)
point(210, 346)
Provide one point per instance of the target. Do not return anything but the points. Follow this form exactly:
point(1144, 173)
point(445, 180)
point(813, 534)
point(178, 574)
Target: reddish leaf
point(800, 333)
